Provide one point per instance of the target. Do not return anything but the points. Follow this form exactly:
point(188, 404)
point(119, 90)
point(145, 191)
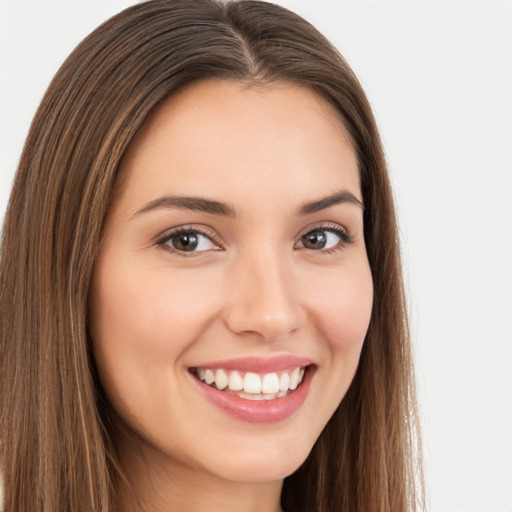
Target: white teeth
point(256, 396)
point(209, 376)
point(253, 386)
point(235, 382)
point(221, 379)
point(270, 383)
point(284, 382)
point(294, 379)
point(252, 383)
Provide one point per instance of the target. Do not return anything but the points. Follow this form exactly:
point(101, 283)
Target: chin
point(261, 462)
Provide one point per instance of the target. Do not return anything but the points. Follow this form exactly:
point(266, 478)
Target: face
point(232, 291)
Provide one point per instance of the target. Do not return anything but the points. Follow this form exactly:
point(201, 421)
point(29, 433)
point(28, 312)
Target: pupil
point(185, 242)
point(315, 240)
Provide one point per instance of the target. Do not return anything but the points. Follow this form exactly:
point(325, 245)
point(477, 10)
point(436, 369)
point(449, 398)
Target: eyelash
point(345, 238)
point(163, 241)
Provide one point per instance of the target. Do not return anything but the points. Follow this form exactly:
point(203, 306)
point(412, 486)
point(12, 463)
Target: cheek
point(340, 313)
point(147, 312)
point(344, 309)
point(141, 324)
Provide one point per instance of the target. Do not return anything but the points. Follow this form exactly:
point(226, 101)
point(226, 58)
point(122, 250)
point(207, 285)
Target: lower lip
point(259, 411)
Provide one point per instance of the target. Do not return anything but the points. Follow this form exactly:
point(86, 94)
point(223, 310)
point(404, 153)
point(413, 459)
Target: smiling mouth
point(251, 385)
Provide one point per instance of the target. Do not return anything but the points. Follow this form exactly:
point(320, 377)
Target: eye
point(188, 241)
point(324, 239)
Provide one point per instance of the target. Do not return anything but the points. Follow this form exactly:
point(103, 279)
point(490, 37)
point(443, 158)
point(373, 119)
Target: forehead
point(217, 137)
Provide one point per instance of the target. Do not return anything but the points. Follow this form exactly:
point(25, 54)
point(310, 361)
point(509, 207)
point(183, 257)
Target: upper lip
point(258, 364)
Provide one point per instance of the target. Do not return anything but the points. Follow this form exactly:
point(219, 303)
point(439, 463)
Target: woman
point(201, 290)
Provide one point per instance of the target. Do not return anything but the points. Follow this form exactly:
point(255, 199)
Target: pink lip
point(258, 411)
point(258, 364)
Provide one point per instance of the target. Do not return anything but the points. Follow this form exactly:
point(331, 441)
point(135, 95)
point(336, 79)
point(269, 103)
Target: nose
point(263, 301)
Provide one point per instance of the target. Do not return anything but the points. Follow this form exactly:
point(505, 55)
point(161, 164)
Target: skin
point(253, 289)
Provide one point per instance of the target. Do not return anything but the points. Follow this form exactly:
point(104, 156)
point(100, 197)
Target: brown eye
point(324, 239)
point(188, 241)
point(314, 239)
point(185, 241)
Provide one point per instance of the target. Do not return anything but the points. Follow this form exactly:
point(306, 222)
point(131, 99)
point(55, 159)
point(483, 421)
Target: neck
point(155, 483)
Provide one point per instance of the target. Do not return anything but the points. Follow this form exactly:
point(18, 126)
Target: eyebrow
point(197, 204)
point(340, 197)
point(201, 204)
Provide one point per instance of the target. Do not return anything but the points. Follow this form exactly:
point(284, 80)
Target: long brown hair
point(56, 444)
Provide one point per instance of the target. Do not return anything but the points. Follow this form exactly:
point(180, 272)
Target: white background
point(439, 76)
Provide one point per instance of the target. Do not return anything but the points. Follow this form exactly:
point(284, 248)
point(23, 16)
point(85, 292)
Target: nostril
point(263, 321)
point(263, 301)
